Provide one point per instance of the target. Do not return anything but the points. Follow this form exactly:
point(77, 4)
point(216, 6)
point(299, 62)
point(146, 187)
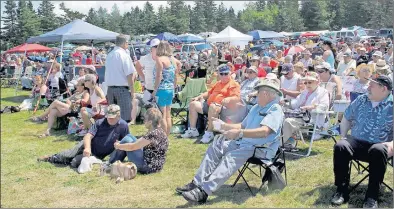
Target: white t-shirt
point(342, 67)
point(148, 65)
point(290, 85)
point(118, 66)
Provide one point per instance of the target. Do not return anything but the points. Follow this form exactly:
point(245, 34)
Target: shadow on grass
point(15, 99)
point(302, 151)
point(237, 195)
point(356, 199)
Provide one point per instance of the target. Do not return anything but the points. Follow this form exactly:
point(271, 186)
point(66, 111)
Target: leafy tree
point(103, 17)
point(114, 19)
point(10, 29)
point(178, 16)
point(335, 14)
point(28, 22)
point(311, 13)
point(46, 15)
point(222, 17)
point(92, 17)
point(289, 18)
point(198, 23)
point(209, 14)
point(149, 18)
point(30, 6)
point(69, 15)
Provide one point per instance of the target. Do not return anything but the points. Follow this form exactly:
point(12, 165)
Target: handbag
point(123, 171)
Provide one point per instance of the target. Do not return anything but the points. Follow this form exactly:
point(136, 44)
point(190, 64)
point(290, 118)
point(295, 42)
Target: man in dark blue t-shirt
point(98, 142)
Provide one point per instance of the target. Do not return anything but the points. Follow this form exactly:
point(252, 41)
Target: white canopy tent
point(229, 34)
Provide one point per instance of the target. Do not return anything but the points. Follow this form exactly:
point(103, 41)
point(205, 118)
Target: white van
point(354, 33)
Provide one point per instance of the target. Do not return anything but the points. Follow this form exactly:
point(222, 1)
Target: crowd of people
point(269, 84)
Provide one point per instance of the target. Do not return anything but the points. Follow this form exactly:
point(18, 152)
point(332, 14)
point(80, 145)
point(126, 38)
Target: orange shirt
point(220, 91)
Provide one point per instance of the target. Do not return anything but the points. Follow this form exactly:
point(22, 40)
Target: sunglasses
point(320, 71)
point(223, 74)
point(308, 82)
point(250, 72)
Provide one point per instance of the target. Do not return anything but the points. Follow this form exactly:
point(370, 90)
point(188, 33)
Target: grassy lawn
point(26, 183)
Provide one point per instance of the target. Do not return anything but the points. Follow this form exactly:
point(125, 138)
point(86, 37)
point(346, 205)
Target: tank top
point(167, 83)
point(330, 59)
point(94, 98)
point(290, 85)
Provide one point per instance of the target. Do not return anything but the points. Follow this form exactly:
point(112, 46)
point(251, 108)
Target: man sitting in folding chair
point(225, 92)
point(227, 154)
point(311, 98)
point(370, 118)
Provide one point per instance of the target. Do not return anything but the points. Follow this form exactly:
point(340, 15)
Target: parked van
point(354, 33)
point(386, 32)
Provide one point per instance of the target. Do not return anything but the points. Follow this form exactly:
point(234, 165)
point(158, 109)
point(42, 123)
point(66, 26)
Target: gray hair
point(121, 40)
point(91, 78)
point(273, 93)
point(289, 58)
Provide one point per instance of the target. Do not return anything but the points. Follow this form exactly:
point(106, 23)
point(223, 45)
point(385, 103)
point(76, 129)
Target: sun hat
point(382, 67)
point(113, 111)
point(270, 83)
point(253, 68)
point(299, 64)
point(255, 57)
point(325, 65)
point(378, 54)
point(311, 76)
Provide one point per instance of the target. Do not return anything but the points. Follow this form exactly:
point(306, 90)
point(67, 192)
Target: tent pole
point(93, 60)
point(61, 52)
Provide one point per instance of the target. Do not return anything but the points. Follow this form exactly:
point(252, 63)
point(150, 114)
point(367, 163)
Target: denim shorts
point(165, 97)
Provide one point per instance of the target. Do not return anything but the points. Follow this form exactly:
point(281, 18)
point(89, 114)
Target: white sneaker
point(208, 137)
point(190, 133)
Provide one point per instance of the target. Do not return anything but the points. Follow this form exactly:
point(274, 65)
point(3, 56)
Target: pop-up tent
point(76, 31)
point(229, 34)
point(190, 38)
point(259, 34)
point(167, 37)
point(29, 48)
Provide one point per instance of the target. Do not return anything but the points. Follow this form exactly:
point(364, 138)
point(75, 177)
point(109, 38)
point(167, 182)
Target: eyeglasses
point(223, 74)
point(320, 71)
point(308, 82)
point(250, 72)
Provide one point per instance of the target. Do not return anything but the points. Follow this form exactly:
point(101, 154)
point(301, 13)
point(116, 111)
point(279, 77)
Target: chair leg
point(388, 187)
point(240, 174)
point(284, 161)
point(355, 186)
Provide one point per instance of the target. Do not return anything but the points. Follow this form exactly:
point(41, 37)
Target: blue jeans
point(136, 156)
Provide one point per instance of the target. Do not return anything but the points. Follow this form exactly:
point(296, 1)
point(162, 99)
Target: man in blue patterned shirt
point(370, 118)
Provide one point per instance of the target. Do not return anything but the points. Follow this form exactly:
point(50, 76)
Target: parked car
point(386, 32)
point(354, 33)
point(197, 48)
point(139, 49)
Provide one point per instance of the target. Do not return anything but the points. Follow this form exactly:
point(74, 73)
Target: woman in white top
point(54, 76)
point(329, 80)
point(96, 96)
point(289, 82)
point(311, 98)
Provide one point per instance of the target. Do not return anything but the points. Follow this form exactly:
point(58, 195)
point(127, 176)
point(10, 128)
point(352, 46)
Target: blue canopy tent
point(167, 37)
point(275, 43)
point(259, 34)
point(190, 38)
point(75, 31)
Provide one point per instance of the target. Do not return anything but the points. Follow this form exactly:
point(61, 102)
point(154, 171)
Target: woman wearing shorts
point(165, 82)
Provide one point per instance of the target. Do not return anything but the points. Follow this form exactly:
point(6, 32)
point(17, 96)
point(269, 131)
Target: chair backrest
point(332, 89)
point(194, 87)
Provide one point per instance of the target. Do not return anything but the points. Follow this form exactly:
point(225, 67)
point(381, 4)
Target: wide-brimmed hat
point(325, 65)
point(378, 54)
point(306, 52)
point(382, 68)
point(238, 59)
point(113, 111)
point(270, 83)
point(253, 68)
point(363, 65)
point(299, 64)
point(311, 76)
point(255, 57)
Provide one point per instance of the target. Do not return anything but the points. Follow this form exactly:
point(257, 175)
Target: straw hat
point(382, 68)
point(311, 76)
point(299, 64)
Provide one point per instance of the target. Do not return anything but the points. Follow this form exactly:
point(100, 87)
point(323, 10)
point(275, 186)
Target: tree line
point(22, 21)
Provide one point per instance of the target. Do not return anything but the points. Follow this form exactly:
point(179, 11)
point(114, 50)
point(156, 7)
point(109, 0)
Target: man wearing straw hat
point(227, 153)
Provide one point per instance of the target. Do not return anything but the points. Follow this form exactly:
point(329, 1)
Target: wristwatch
point(241, 134)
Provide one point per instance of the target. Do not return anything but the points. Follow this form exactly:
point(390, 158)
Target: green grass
point(26, 183)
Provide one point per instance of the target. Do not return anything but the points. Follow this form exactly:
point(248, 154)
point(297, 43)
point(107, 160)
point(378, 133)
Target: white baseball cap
point(154, 42)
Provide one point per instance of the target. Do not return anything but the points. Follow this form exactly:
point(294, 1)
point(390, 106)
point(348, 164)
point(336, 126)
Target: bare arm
point(130, 81)
point(339, 88)
point(139, 69)
point(296, 92)
point(159, 71)
point(87, 140)
point(325, 55)
point(140, 143)
point(100, 94)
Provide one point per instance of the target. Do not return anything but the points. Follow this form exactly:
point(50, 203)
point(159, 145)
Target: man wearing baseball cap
point(290, 82)
point(347, 65)
point(144, 68)
point(98, 142)
point(247, 86)
point(228, 153)
point(370, 119)
point(226, 91)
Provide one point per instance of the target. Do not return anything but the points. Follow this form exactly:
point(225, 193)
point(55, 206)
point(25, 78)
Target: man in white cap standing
point(119, 77)
point(377, 55)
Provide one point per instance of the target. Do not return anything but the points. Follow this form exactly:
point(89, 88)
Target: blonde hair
point(92, 78)
point(164, 49)
point(39, 78)
point(57, 66)
point(154, 115)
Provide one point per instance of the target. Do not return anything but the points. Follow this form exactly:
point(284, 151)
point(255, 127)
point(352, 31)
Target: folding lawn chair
point(265, 164)
point(193, 88)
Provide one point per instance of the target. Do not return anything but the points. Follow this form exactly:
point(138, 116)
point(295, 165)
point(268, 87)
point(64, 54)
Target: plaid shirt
point(247, 87)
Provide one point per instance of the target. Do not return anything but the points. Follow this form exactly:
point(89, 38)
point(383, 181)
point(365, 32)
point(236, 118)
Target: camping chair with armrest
point(265, 164)
point(193, 88)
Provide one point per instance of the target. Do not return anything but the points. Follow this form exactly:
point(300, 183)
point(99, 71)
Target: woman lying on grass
point(59, 109)
point(148, 153)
